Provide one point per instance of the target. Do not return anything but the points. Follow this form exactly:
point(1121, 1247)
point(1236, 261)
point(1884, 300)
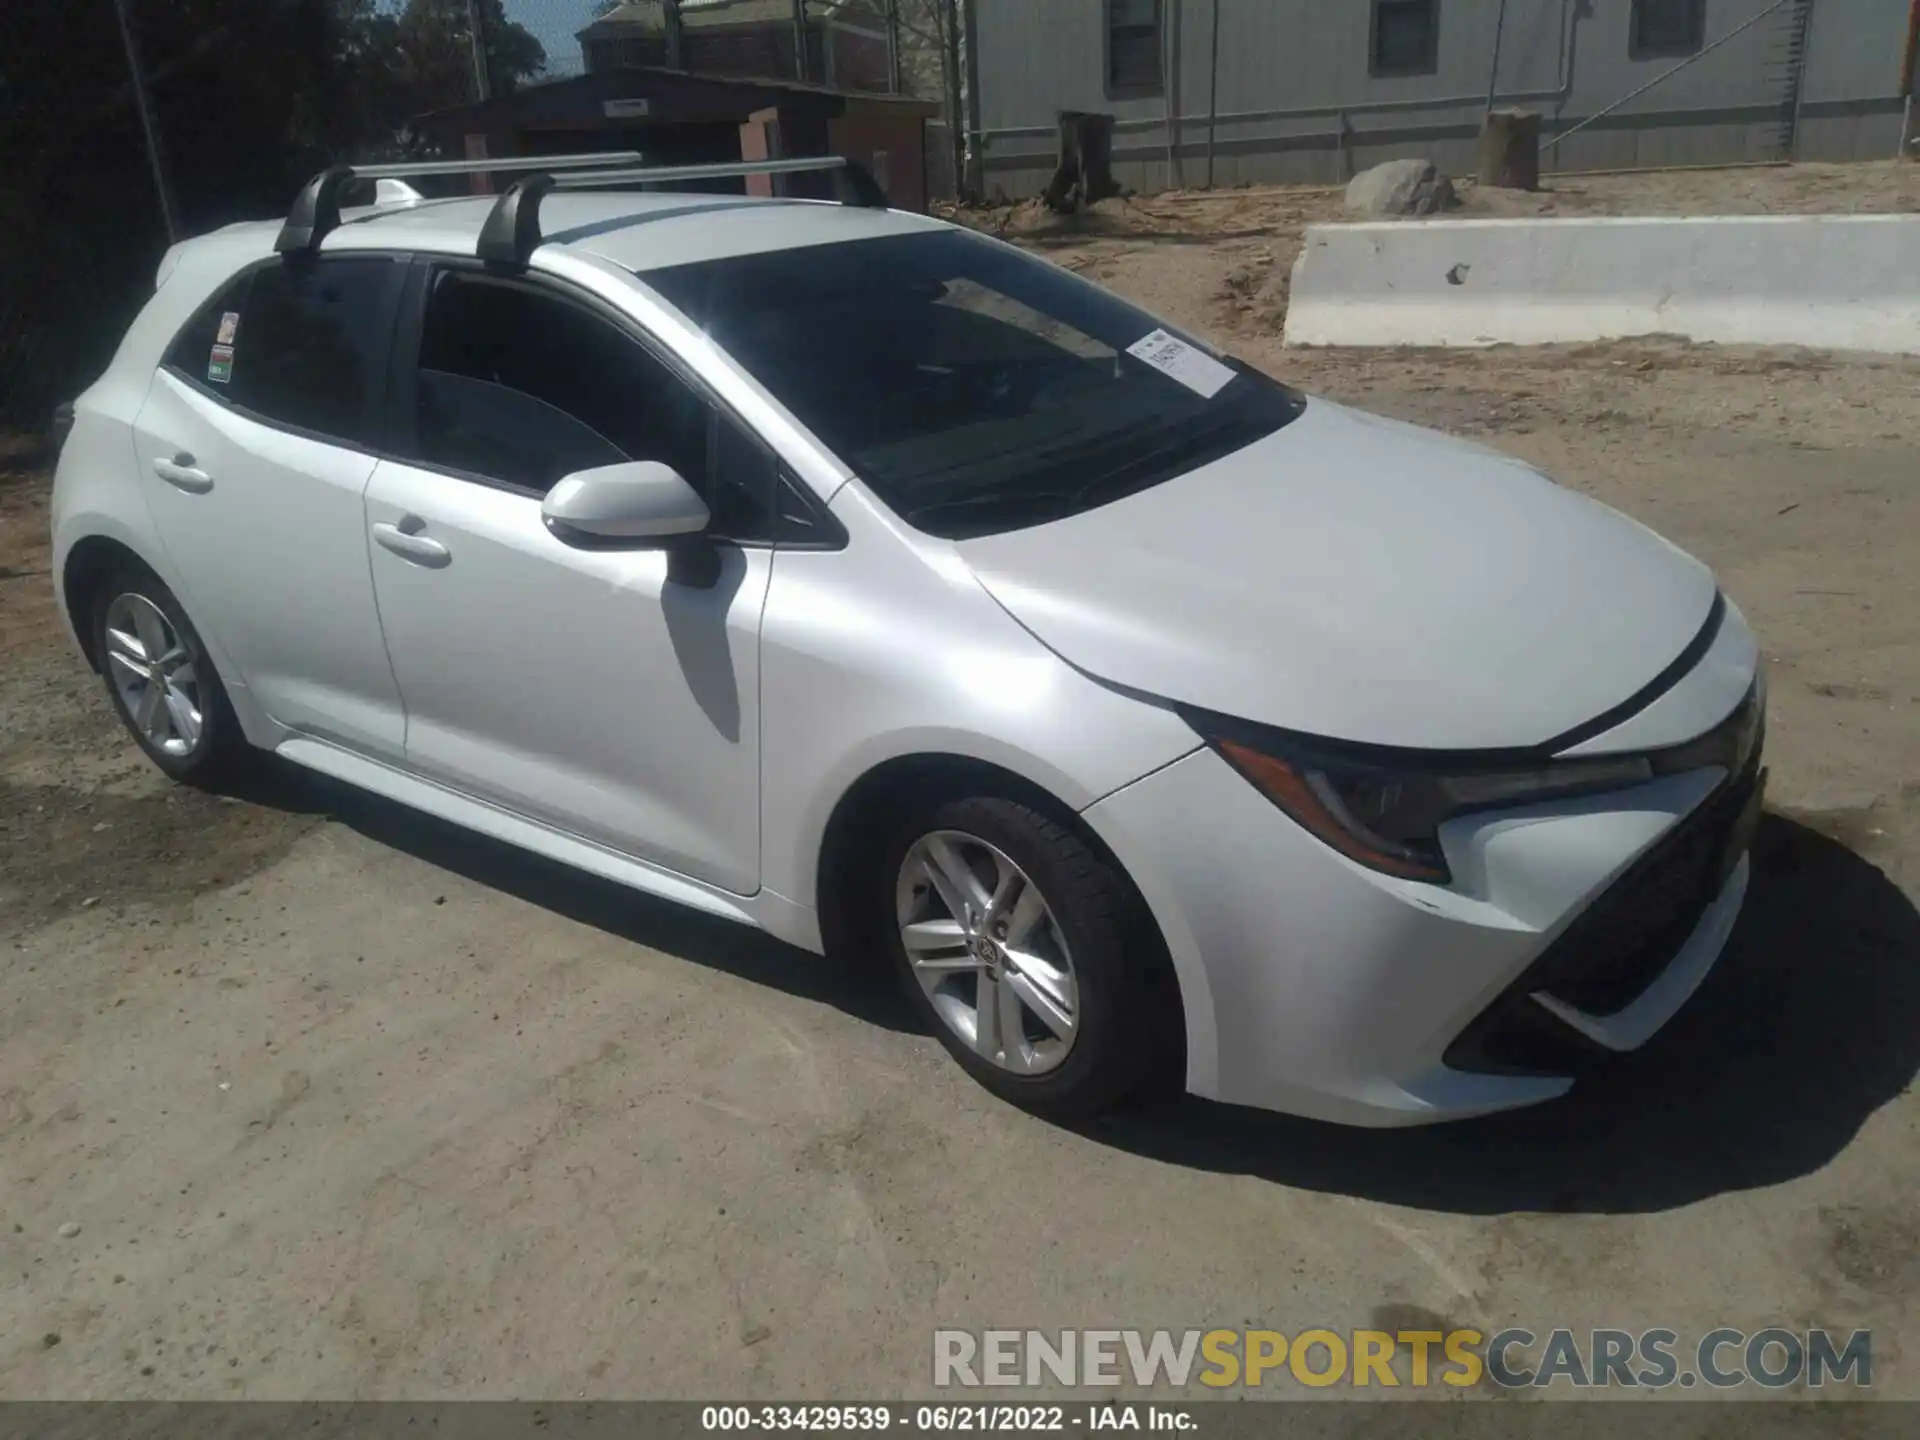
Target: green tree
point(433, 50)
point(250, 98)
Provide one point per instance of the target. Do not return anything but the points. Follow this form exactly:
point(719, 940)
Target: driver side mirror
point(635, 500)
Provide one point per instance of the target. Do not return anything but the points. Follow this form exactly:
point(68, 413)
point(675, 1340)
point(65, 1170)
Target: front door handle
point(180, 473)
point(421, 549)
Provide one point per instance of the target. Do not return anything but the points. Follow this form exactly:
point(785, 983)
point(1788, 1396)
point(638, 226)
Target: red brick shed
point(674, 117)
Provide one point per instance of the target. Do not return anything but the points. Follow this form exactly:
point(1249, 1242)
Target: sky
point(554, 23)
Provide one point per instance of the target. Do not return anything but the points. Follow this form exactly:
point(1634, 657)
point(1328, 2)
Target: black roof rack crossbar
point(316, 209)
point(512, 231)
point(858, 187)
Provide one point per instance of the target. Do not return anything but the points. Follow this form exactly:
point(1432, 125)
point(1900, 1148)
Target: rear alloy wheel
point(163, 686)
point(1029, 954)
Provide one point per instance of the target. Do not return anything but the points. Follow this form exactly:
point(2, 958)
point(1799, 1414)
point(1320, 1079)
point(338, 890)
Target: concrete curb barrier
point(1848, 282)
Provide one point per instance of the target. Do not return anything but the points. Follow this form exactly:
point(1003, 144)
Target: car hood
point(1364, 580)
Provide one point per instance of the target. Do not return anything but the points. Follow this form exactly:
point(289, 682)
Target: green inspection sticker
point(220, 364)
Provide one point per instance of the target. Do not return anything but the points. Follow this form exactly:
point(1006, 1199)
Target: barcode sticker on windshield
point(1195, 369)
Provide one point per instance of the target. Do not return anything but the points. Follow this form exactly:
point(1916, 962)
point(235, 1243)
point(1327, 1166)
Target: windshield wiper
point(1030, 506)
point(1139, 471)
point(1038, 504)
point(1022, 460)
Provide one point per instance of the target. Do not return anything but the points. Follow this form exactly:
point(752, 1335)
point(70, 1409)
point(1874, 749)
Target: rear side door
point(608, 690)
point(256, 444)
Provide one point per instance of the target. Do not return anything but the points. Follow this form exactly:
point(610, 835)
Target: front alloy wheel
point(1026, 950)
point(987, 952)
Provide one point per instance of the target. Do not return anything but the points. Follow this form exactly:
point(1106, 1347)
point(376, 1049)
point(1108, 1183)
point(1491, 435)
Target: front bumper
point(1628, 961)
point(1315, 986)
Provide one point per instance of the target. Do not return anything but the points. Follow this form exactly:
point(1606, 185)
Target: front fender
point(890, 649)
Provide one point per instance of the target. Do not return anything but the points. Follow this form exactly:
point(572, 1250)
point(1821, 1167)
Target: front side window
point(1133, 48)
point(1406, 37)
point(1667, 27)
point(522, 387)
point(973, 387)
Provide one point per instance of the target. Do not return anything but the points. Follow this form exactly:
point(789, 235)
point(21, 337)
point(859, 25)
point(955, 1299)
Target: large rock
point(1400, 187)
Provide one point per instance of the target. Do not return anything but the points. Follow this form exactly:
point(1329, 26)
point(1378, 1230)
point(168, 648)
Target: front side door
point(609, 691)
point(255, 446)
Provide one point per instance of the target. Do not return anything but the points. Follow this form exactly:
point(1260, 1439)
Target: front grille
point(1619, 946)
point(1613, 952)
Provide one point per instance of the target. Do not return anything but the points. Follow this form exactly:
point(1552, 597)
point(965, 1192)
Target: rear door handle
point(180, 473)
point(421, 549)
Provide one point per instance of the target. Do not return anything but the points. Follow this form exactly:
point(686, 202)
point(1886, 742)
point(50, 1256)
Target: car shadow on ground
point(865, 993)
point(1809, 1024)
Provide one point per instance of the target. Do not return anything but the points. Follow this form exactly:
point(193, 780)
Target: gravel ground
point(344, 1103)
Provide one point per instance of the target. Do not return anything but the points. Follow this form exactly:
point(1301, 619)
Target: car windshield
point(974, 388)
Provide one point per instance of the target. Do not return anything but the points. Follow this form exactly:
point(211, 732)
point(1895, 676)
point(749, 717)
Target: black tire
point(219, 742)
point(1128, 1022)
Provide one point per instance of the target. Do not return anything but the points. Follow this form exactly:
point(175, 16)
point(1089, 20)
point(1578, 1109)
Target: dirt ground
point(1223, 259)
point(345, 1103)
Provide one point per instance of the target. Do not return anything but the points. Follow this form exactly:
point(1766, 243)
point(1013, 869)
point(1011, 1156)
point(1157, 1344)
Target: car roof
point(636, 231)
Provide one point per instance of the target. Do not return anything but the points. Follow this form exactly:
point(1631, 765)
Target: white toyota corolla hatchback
point(856, 577)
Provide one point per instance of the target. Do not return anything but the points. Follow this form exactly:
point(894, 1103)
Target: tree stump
point(1085, 170)
point(1510, 150)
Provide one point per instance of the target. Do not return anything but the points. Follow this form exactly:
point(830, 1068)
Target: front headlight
point(1384, 808)
point(1386, 813)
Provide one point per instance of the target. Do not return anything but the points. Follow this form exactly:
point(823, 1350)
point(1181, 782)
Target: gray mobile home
point(1313, 90)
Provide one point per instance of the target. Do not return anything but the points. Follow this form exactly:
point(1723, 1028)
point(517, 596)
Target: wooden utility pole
point(143, 102)
point(1175, 174)
point(966, 24)
point(476, 32)
point(1908, 61)
point(1213, 87)
point(893, 47)
point(670, 20)
point(1493, 68)
point(947, 16)
point(1912, 54)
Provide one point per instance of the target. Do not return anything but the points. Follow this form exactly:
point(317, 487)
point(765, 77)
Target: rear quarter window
point(192, 353)
point(298, 343)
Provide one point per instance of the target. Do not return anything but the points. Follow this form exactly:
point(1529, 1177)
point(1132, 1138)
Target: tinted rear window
point(194, 353)
point(301, 343)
